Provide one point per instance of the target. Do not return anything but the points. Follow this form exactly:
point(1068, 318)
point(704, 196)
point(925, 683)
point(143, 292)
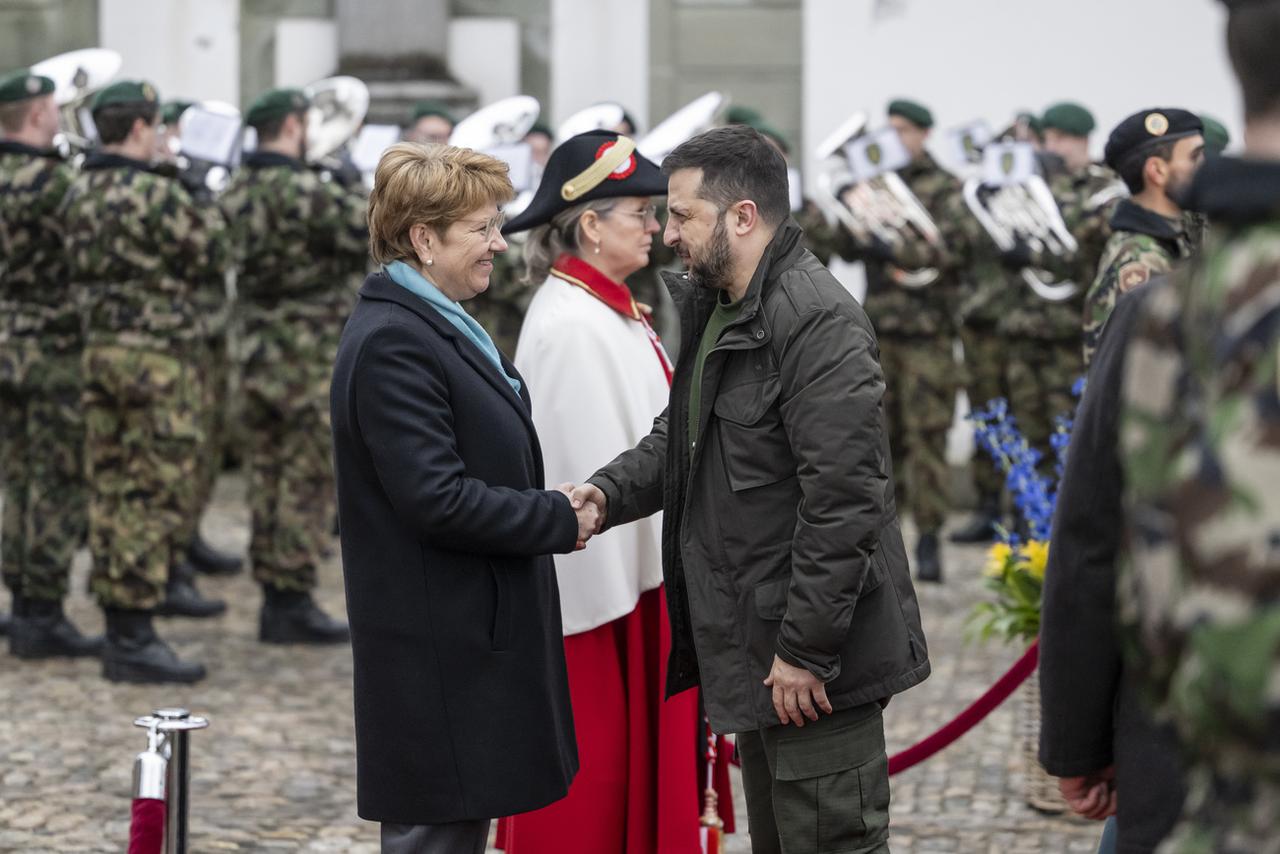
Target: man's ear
point(746, 216)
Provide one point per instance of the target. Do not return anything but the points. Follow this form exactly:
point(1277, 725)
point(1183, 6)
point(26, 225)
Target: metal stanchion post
point(175, 725)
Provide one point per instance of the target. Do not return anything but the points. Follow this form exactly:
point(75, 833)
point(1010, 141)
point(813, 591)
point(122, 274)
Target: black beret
point(1147, 128)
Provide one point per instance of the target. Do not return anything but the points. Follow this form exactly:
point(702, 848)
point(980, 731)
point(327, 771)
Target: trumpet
point(1013, 204)
point(858, 186)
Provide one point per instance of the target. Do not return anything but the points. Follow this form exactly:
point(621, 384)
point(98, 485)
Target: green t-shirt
point(723, 314)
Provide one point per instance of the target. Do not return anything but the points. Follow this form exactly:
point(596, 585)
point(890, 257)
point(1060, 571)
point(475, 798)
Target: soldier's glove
point(1017, 258)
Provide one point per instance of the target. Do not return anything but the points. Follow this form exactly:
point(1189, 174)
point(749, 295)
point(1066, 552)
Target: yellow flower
point(1035, 556)
point(997, 556)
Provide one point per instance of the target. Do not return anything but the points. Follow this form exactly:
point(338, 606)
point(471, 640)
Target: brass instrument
point(1013, 204)
point(857, 185)
point(604, 116)
point(77, 76)
point(498, 130)
point(693, 118)
point(338, 108)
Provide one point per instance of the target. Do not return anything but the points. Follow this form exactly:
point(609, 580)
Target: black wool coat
point(461, 696)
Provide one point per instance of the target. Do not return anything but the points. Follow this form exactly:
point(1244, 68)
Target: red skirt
point(643, 769)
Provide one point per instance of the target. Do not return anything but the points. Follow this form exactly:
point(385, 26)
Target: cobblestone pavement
point(276, 770)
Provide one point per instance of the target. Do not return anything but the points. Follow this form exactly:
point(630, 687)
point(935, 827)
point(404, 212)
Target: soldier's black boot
point(183, 599)
point(292, 616)
point(205, 558)
point(982, 527)
point(928, 561)
point(41, 630)
point(135, 653)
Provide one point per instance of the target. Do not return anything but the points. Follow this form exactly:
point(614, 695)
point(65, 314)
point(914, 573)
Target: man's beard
point(1179, 192)
point(713, 270)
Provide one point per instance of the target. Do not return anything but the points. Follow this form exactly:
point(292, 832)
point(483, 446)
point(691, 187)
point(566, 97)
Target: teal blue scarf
point(414, 282)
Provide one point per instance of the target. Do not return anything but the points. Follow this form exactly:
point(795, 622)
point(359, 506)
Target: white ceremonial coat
point(597, 385)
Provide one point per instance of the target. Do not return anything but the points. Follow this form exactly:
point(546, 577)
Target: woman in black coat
point(461, 700)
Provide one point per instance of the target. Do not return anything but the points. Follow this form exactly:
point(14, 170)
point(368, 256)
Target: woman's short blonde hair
point(434, 185)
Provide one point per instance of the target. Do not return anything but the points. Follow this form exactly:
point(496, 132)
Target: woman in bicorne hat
point(603, 377)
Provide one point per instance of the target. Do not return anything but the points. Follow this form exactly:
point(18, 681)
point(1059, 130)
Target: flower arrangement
point(1016, 562)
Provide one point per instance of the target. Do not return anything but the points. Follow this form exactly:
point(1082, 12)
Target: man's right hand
point(588, 504)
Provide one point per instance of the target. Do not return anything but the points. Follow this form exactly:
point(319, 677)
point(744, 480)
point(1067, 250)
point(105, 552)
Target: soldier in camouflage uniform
point(41, 428)
point(1200, 420)
point(916, 332)
point(1043, 355)
point(1156, 152)
point(295, 238)
point(137, 247)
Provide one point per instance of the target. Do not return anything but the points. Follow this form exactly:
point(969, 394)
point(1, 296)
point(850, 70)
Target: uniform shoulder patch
point(1132, 274)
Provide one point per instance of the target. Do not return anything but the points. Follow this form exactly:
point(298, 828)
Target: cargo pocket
point(833, 788)
point(753, 442)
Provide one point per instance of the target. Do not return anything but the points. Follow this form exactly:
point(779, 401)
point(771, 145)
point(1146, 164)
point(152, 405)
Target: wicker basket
point(1041, 789)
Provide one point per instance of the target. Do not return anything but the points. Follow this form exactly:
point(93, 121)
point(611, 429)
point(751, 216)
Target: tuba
point(859, 186)
point(1012, 202)
point(684, 124)
point(604, 116)
point(77, 76)
point(338, 108)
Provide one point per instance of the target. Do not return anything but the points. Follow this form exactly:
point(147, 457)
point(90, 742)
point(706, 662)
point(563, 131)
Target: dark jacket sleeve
point(403, 412)
point(632, 483)
point(1079, 646)
point(831, 395)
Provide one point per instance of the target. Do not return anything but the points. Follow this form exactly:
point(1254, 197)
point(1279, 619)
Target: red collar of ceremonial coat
point(616, 295)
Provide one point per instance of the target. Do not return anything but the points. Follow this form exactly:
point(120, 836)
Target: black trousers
point(818, 789)
point(461, 837)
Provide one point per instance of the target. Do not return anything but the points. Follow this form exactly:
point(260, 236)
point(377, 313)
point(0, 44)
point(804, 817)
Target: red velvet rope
point(970, 717)
point(146, 830)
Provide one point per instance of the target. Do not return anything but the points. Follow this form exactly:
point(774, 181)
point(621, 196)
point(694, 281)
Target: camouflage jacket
point(1143, 244)
point(1200, 435)
point(1086, 200)
point(295, 240)
point(930, 310)
point(35, 298)
point(139, 249)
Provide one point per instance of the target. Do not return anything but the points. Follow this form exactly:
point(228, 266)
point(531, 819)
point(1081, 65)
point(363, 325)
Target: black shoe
point(928, 562)
point(982, 527)
point(40, 630)
point(134, 653)
point(205, 558)
point(183, 599)
point(291, 616)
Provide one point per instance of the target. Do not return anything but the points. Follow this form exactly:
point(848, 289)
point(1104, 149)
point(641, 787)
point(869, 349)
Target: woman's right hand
point(590, 512)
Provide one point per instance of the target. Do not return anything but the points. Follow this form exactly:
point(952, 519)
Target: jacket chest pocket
point(752, 438)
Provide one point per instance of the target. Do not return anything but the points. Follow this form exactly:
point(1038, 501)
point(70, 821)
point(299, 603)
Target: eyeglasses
point(490, 227)
point(646, 213)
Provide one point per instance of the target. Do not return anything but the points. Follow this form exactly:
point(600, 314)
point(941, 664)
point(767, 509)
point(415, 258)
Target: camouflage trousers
point(292, 495)
point(143, 428)
point(920, 378)
point(1040, 374)
point(213, 366)
point(984, 356)
point(42, 464)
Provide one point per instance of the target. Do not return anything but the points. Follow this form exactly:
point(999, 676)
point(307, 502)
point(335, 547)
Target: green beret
point(422, 109)
point(1142, 130)
point(773, 133)
point(1032, 120)
point(275, 104)
point(741, 115)
point(1216, 138)
point(126, 92)
point(173, 110)
point(1069, 118)
point(545, 130)
point(22, 84)
point(916, 113)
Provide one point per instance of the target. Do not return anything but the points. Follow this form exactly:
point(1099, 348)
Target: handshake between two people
point(589, 504)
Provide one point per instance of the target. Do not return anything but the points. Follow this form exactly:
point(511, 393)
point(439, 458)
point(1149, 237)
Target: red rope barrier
point(146, 829)
point(970, 717)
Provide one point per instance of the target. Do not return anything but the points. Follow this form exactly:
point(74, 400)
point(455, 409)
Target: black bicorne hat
point(599, 164)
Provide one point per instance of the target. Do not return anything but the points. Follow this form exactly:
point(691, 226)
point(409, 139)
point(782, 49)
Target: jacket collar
point(1236, 191)
point(106, 160)
point(379, 287)
point(616, 295)
point(1131, 216)
point(8, 146)
point(269, 159)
